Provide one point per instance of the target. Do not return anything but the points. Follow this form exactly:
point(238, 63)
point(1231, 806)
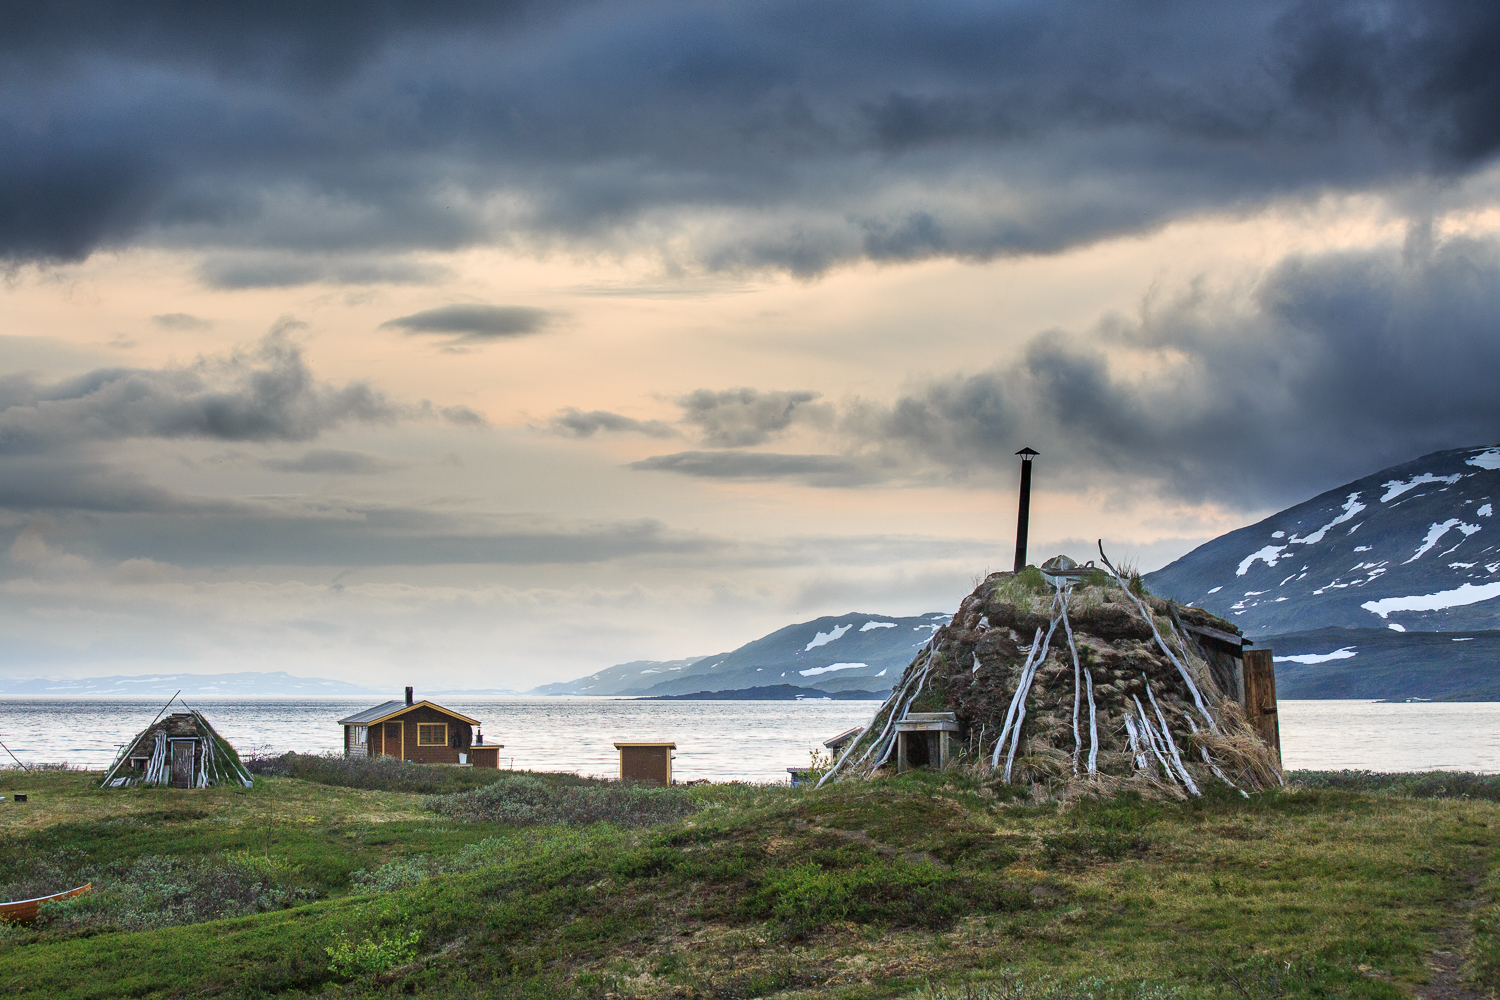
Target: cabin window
point(361, 735)
point(432, 734)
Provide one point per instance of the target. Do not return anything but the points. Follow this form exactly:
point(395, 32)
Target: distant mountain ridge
point(852, 652)
point(1413, 547)
point(236, 685)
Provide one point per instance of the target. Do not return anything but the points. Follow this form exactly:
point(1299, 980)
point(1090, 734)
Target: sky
point(496, 343)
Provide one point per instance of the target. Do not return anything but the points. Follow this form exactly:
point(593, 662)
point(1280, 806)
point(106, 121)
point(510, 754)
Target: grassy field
point(930, 886)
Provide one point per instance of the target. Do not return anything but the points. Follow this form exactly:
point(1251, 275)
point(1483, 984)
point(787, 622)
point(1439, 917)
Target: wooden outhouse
point(418, 731)
point(649, 763)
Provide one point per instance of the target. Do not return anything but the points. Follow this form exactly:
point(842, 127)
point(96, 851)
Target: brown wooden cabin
point(418, 731)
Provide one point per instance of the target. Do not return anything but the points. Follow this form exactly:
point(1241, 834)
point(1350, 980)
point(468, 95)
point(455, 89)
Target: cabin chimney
point(408, 696)
point(1023, 515)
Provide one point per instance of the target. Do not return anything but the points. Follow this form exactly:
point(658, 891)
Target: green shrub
point(376, 773)
point(525, 800)
point(1080, 847)
point(807, 897)
point(410, 871)
point(1414, 784)
point(155, 891)
point(373, 955)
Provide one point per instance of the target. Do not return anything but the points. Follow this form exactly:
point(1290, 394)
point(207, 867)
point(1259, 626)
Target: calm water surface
point(720, 740)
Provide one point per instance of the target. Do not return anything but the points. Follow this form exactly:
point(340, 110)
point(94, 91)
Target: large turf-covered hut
point(1070, 678)
point(182, 751)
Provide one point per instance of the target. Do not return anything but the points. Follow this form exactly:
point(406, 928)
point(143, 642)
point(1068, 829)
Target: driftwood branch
point(1010, 715)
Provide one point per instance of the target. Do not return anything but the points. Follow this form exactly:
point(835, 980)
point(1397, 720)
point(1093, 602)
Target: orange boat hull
point(24, 911)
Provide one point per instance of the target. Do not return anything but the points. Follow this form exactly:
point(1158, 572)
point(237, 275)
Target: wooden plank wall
point(1260, 695)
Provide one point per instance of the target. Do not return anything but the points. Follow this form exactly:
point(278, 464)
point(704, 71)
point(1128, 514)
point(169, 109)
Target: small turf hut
point(181, 751)
point(1071, 678)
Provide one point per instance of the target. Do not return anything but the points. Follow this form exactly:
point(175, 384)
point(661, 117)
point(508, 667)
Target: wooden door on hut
point(182, 763)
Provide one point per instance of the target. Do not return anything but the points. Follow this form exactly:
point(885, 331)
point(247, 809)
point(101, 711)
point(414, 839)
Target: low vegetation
point(924, 886)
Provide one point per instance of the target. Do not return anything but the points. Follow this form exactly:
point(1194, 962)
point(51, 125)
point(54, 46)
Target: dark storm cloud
point(471, 323)
point(816, 134)
point(1339, 365)
point(576, 423)
point(332, 462)
point(739, 418)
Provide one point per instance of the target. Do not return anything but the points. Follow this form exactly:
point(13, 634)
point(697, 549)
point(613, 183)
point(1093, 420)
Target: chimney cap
point(1026, 454)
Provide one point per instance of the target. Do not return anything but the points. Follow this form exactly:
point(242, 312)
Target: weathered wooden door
point(182, 763)
point(1260, 695)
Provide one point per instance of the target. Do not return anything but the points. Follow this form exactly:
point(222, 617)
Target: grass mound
point(527, 800)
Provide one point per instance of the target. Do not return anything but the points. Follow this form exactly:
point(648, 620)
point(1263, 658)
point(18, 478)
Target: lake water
point(719, 740)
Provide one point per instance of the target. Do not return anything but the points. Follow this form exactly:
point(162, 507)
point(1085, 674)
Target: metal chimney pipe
point(1023, 516)
point(408, 696)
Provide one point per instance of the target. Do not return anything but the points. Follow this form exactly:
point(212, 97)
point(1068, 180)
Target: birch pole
point(1146, 613)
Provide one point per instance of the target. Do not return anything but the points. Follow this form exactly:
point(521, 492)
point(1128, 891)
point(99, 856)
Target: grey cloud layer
point(740, 418)
point(815, 133)
point(472, 323)
point(1336, 365)
point(266, 395)
point(576, 423)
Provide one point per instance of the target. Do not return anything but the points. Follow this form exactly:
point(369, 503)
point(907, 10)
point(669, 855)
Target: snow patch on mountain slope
point(1352, 507)
point(1337, 654)
point(1268, 555)
point(1487, 459)
point(1437, 531)
point(824, 638)
point(1466, 594)
point(869, 625)
point(815, 671)
point(1396, 487)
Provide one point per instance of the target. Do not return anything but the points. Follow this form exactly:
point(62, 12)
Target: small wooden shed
point(925, 739)
point(649, 763)
point(419, 731)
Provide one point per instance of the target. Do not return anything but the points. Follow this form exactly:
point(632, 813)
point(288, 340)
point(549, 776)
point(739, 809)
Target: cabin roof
point(391, 709)
point(833, 743)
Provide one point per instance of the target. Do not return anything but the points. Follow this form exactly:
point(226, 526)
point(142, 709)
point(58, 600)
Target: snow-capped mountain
point(1415, 546)
point(853, 652)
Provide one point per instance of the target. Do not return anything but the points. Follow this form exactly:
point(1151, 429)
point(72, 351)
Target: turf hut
point(180, 751)
point(1069, 678)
